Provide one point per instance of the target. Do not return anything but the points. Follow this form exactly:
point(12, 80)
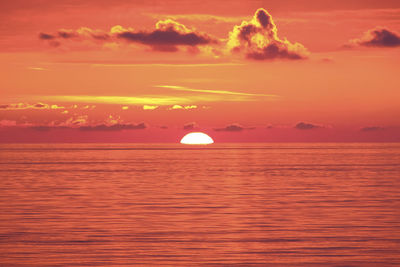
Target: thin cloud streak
point(222, 92)
point(167, 65)
point(198, 17)
point(158, 100)
point(126, 100)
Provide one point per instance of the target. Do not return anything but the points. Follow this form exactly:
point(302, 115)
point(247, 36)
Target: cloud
point(19, 106)
point(176, 107)
point(114, 127)
point(67, 34)
point(41, 106)
point(167, 36)
point(307, 126)
point(378, 37)
point(190, 126)
point(149, 107)
point(45, 36)
point(371, 129)
point(190, 107)
point(81, 123)
point(182, 107)
point(37, 68)
point(203, 18)
point(258, 39)
point(168, 33)
point(168, 65)
point(222, 92)
point(76, 121)
point(151, 100)
point(234, 127)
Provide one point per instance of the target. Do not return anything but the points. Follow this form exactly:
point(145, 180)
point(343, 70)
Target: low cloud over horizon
point(191, 126)
point(234, 127)
point(307, 126)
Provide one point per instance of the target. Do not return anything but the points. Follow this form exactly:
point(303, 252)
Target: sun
point(196, 138)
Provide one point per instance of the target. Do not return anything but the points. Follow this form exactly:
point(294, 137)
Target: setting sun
point(197, 138)
point(186, 132)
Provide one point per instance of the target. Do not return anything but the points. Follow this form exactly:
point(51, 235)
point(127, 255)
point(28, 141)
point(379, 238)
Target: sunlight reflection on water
point(246, 204)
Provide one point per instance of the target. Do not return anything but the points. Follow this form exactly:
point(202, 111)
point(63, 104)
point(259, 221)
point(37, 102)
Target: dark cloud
point(165, 48)
point(273, 51)
point(4, 106)
point(234, 127)
point(306, 126)
point(264, 18)
point(190, 126)
point(166, 37)
point(378, 37)
point(45, 36)
point(258, 40)
point(40, 106)
point(114, 127)
point(67, 34)
point(372, 129)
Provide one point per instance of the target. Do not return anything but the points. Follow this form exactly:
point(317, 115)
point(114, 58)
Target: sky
point(240, 71)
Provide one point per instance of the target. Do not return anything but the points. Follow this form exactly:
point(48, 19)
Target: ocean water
point(218, 205)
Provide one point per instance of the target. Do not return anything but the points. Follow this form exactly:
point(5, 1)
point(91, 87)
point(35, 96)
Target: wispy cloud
point(18, 106)
point(222, 92)
point(198, 17)
point(36, 68)
point(127, 65)
point(124, 100)
point(162, 100)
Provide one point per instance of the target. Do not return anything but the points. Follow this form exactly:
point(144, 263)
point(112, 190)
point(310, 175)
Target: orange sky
point(242, 71)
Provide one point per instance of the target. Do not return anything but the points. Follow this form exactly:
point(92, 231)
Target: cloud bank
point(255, 39)
point(167, 36)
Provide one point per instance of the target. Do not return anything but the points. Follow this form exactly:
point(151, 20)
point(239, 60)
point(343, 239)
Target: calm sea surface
point(223, 204)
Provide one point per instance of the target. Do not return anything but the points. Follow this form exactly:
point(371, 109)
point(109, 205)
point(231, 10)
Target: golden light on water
point(197, 138)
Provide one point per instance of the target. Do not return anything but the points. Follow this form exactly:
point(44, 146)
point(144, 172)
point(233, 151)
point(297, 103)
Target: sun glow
point(197, 138)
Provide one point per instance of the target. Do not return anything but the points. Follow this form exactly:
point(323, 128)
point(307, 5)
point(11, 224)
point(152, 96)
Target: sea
point(280, 204)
